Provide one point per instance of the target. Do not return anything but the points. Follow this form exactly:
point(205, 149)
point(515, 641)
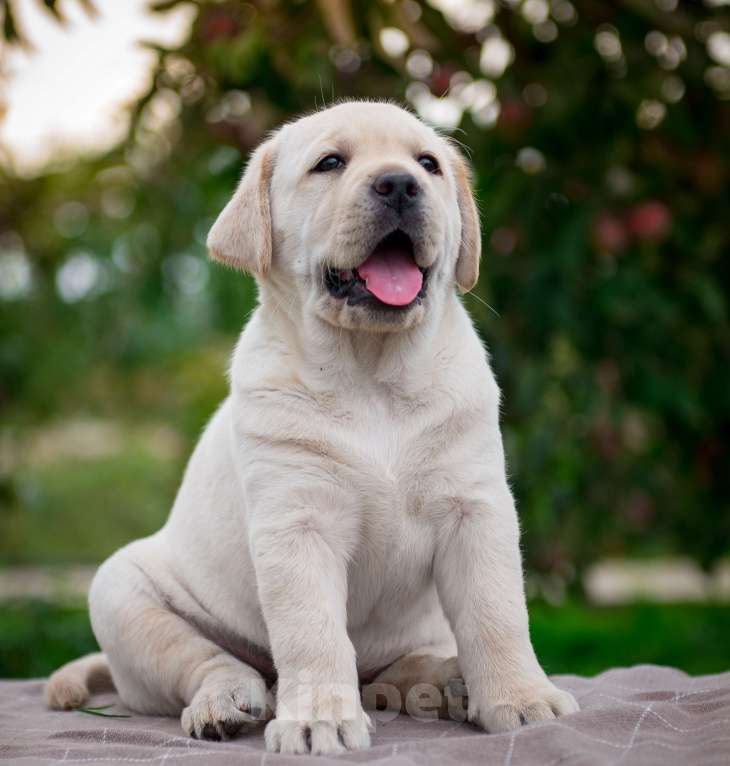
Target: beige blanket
point(643, 715)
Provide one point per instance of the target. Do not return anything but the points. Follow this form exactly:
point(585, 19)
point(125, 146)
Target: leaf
point(97, 711)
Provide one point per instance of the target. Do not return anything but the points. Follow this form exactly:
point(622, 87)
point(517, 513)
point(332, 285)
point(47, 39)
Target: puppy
point(346, 515)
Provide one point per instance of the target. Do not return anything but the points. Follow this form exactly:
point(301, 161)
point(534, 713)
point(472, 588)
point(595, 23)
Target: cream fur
point(347, 507)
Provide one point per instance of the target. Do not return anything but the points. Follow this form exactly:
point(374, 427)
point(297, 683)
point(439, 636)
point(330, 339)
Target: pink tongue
point(392, 277)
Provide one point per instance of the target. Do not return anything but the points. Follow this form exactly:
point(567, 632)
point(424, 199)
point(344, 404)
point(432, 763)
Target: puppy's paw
point(65, 692)
point(317, 737)
point(225, 709)
point(526, 701)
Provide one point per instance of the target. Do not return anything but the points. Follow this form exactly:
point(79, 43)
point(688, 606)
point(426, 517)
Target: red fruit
point(650, 221)
point(639, 510)
point(606, 439)
point(608, 375)
point(504, 239)
point(609, 233)
point(219, 25)
point(441, 79)
point(514, 116)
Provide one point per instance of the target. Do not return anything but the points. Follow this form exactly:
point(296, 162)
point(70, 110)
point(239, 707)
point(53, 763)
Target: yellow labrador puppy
point(346, 515)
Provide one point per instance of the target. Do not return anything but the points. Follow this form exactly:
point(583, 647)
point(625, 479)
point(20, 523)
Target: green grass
point(587, 640)
point(36, 637)
point(83, 510)
point(58, 504)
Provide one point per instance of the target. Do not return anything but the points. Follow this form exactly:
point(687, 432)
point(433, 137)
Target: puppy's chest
point(398, 474)
point(391, 566)
point(396, 465)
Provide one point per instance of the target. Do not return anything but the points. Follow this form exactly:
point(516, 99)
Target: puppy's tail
point(72, 684)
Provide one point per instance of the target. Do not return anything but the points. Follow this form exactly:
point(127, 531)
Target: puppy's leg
point(71, 685)
point(425, 682)
point(230, 698)
point(162, 665)
point(300, 553)
point(478, 574)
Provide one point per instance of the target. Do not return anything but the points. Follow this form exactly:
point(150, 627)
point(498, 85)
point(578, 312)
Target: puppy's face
point(371, 219)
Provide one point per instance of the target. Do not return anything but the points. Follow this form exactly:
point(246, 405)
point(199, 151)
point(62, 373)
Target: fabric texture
point(642, 715)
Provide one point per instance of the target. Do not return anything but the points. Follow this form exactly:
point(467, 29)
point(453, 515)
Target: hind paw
point(65, 693)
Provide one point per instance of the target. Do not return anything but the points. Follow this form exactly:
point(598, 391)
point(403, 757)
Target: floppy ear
point(241, 235)
point(470, 250)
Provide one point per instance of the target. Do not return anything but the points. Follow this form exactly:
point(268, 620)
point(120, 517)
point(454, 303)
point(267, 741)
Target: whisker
point(483, 302)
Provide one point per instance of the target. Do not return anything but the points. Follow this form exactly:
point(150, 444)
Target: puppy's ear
point(241, 235)
point(470, 250)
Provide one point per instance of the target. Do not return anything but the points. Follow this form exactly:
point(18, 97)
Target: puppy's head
point(360, 214)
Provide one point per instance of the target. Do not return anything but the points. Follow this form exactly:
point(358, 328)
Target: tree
point(598, 137)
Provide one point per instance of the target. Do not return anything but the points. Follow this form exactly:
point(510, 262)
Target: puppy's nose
point(396, 189)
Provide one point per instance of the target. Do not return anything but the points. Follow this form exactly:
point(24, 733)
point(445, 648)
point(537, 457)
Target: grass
point(37, 637)
point(586, 640)
point(71, 495)
point(82, 510)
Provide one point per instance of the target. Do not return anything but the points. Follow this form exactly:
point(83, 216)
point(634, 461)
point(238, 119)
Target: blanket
point(644, 715)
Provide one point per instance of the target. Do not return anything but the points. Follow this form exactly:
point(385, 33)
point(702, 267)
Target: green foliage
point(123, 497)
point(573, 638)
point(602, 186)
point(36, 637)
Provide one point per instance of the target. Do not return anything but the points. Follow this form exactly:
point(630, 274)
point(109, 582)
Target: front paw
point(317, 737)
point(317, 718)
point(504, 707)
point(225, 709)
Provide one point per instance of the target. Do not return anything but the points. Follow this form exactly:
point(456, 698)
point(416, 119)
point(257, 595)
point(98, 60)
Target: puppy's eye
point(429, 164)
point(330, 162)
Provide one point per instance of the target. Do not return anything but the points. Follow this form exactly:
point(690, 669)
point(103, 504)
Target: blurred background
point(599, 137)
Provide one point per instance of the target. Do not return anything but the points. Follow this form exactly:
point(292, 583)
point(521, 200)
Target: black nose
point(396, 189)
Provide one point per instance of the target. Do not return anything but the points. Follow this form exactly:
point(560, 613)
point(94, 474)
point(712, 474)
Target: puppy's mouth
point(388, 278)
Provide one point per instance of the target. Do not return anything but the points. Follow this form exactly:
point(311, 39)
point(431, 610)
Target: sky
point(68, 93)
